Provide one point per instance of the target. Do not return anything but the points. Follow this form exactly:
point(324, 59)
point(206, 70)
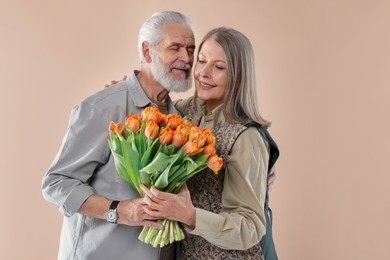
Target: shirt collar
point(138, 96)
point(214, 117)
point(137, 93)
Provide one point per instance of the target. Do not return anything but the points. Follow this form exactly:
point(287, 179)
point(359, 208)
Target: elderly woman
point(223, 214)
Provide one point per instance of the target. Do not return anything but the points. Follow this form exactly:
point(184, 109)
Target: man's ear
point(146, 52)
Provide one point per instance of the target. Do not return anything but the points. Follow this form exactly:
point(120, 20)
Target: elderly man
point(102, 215)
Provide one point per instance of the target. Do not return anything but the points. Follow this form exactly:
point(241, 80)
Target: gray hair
point(151, 31)
point(240, 104)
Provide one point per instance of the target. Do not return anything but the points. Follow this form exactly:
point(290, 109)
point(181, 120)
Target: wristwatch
point(111, 215)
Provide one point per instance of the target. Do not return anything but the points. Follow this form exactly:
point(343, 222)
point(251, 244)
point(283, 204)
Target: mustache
point(182, 66)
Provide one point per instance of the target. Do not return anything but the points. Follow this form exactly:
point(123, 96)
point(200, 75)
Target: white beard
point(162, 75)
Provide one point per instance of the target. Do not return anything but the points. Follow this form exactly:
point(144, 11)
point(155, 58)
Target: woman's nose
point(205, 71)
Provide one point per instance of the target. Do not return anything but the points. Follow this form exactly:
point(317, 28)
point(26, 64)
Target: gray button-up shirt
point(85, 166)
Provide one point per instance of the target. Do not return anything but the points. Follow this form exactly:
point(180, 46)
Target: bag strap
point(267, 243)
point(274, 150)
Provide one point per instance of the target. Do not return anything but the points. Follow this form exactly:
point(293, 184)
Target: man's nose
point(185, 56)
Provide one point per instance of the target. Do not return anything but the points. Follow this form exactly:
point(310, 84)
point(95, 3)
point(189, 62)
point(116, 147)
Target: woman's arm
point(241, 224)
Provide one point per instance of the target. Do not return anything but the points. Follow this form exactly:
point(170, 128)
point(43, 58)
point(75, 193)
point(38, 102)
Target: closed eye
point(190, 50)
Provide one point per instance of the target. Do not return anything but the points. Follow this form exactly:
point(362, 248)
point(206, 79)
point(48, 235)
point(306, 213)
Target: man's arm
point(85, 149)
point(66, 184)
point(130, 212)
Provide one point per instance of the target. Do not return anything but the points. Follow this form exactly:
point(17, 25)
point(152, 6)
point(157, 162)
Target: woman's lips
point(206, 85)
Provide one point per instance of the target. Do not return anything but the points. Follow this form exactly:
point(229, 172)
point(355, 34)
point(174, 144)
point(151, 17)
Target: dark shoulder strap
point(267, 242)
point(274, 150)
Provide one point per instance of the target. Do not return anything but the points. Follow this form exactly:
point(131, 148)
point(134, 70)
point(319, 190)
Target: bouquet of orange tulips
point(162, 151)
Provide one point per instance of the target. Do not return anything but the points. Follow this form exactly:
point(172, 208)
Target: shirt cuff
point(75, 199)
point(206, 223)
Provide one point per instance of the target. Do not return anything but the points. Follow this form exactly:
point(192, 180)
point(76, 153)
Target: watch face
point(111, 216)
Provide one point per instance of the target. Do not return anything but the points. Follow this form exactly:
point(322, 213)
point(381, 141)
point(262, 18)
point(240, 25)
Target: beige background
point(323, 70)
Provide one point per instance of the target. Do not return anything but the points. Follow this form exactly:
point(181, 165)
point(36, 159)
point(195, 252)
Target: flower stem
point(171, 232)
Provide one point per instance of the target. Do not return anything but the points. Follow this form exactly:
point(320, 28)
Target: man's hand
point(271, 178)
point(177, 207)
point(114, 82)
point(132, 213)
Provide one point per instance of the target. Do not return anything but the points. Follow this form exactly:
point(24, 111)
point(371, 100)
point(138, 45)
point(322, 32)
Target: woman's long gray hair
point(240, 100)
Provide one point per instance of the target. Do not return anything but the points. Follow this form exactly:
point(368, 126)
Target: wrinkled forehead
point(177, 33)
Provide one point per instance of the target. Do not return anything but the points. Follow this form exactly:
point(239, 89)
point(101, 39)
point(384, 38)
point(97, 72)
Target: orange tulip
point(151, 113)
point(202, 140)
point(132, 122)
point(191, 147)
point(209, 149)
point(151, 129)
point(120, 128)
point(196, 133)
point(112, 127)
point(183, 129)
point(163, 118)
point(173, 121)
point(116, 127)
point(178, 139)
point(214, 163)
point(166, 135)
point(210, 138)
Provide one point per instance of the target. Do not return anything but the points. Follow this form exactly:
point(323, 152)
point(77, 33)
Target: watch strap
point(114, 204)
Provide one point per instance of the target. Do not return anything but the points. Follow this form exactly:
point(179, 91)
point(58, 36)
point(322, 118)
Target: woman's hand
point(132, 213)
point(177, 207)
